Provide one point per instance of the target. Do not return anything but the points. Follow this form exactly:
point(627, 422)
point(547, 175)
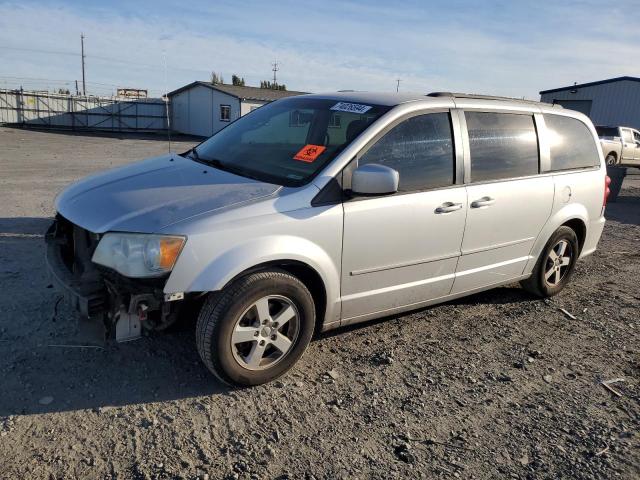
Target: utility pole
point(77, 91)
point(397, 85)
point(275, 69)
point(84, 86)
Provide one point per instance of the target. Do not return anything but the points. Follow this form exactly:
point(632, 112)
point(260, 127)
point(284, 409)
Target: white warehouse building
point(203, 108)
point(613, 102)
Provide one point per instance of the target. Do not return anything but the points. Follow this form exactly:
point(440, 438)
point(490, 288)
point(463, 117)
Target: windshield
point(289, 141)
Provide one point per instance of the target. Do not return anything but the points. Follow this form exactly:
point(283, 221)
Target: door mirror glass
point(374, 179)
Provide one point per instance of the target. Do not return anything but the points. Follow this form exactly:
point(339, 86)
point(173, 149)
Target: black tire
point(221, 313)
point(611, 159)
point(537, 283)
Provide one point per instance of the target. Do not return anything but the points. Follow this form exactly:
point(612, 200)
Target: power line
point(97, 57)
point(10, 77)
point(38, 50)
point(104, 59)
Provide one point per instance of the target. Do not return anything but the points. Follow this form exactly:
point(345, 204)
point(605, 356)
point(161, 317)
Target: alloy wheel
point(558, 263)
point(265, 332)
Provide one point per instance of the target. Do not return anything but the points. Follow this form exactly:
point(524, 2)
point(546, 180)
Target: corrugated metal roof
point(247, 93)
point(591, 84)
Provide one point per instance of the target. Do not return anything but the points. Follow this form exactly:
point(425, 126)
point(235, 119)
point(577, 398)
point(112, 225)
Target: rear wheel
point(256, 328)
point(555, 265)
point(611, 159)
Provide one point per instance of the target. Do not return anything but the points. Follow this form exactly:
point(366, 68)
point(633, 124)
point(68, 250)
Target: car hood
point(152, 194)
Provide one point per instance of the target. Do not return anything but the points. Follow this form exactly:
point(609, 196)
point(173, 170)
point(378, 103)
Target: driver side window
point(420, 149)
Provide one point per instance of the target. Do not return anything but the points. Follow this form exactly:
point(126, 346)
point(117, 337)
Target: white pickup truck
point(620, 145)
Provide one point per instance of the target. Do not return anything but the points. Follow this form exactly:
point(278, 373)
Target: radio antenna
point(166, 99)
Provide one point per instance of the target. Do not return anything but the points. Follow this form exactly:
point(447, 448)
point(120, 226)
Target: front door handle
point(483, 202)
point(448, 207)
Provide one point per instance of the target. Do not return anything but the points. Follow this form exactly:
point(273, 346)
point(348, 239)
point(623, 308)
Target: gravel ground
point(497, 385)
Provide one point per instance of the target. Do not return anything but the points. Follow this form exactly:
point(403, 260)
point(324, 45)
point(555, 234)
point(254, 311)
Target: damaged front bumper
point(117, 306)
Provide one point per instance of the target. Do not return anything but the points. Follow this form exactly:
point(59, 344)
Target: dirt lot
point(499, 385)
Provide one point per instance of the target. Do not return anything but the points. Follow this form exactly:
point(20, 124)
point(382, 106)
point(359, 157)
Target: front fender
point(228, 264)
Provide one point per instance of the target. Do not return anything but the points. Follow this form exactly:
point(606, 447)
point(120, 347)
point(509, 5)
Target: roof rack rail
point(489, 97)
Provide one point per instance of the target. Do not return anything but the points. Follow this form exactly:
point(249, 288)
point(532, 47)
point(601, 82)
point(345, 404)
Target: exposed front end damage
point(121, 307)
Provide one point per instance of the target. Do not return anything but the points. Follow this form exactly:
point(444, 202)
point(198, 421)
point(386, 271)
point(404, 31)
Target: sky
point(512, 48)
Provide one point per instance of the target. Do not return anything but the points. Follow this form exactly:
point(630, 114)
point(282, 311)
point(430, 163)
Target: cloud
point(507, 48)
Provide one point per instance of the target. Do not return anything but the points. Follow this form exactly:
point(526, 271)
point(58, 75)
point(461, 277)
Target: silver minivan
point(319, 211)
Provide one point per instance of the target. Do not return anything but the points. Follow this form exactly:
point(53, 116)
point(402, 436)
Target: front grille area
point(76, 246)
point(71, 250)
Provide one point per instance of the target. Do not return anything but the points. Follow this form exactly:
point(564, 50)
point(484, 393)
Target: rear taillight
point(607, 191)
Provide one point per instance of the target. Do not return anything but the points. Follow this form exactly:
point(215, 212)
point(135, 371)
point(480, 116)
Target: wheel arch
point(614, 154)
point(318, 268)
point(302, 271)
point(579, 226)
point(573, 215)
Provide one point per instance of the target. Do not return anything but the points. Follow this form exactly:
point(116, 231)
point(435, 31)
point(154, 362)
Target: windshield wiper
point(216, 163)
point(194, 153)
point(212, 162)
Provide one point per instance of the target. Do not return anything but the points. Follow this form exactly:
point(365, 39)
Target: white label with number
point(351, 107)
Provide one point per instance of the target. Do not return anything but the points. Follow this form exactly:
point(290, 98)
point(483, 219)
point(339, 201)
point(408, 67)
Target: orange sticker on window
point(309, 153)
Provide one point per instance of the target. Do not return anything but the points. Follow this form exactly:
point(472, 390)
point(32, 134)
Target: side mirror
point(374, 179)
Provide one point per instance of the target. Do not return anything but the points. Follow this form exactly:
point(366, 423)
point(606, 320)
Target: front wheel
point(256, 328)
point(555, 264)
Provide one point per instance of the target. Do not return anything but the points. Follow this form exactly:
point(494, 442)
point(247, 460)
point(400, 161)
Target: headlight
point(138, 255)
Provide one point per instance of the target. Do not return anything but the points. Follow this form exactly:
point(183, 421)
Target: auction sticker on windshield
point(351, 107)
point(309, 153)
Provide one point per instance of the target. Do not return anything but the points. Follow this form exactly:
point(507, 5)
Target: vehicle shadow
point(150, 136)
point(626, 208)
point(507, 294)
point(44, 366)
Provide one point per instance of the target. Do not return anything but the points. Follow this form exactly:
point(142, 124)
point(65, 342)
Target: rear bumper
point(87, 297)
point(594, 232)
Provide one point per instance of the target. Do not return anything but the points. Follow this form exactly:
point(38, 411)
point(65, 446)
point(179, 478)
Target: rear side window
point(420, 149)
point(502, 145)
point(626, 135)
point(572, 144)
point(607, 131)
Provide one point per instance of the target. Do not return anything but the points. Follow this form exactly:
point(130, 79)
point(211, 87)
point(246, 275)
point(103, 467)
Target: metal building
point(202, 108)
point(614, 102)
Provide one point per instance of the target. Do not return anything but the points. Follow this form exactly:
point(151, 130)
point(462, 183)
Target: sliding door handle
point(448, 207)
point(483, 202)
